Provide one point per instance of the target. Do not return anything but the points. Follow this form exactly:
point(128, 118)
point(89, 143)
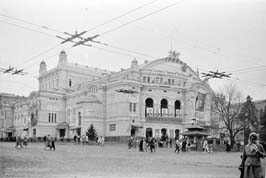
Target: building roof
point(63, 125)
point(195, 133)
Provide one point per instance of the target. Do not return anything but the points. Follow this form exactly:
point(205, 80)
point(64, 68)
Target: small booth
point(195, 135)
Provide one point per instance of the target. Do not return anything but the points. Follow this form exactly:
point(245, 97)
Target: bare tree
point(227, 106)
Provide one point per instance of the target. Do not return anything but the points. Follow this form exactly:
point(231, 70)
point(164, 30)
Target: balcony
point(167, 119)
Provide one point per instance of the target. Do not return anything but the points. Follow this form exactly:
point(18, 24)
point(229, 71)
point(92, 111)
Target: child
point(210, 149)
point(25, 141)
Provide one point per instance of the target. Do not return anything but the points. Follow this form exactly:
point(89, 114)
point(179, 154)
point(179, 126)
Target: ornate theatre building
point(156, 98)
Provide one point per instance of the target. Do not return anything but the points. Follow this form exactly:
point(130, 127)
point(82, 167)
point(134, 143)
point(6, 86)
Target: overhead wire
point(142, 17)
point(26, 28)
point(249, 69)
point(30, 23)
point(122, 15)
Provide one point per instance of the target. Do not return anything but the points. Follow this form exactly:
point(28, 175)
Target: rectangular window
point(49, 117)
point(169, 81)
point(157, 132)
point(134, 107)
point(130, 106)
point(157, 79)
point(34, 132)
point(171, 133)
point(148, 80)
point(161, 80)
point(54, 117)
point(144, 79)
point(112, 127)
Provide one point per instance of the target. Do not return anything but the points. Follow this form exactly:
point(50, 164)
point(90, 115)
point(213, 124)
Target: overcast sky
point(209, 35)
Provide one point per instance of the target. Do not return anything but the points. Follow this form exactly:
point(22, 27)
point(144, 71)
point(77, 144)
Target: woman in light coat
point(251, 159)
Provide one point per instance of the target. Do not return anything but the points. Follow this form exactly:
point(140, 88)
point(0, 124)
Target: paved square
point(113, 160)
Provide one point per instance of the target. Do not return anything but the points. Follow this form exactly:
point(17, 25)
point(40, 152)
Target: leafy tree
point(248, 117)
point(227, 105)
point(263, 125)
point(91, 133)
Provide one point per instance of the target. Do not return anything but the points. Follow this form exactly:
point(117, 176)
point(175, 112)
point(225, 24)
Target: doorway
point(164, 134)
point(62, 132)
point(149, 132)
point(176, 134)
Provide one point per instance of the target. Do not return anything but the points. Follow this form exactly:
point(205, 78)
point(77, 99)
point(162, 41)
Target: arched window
point(177, 108)
point(148, 107)
point(79, 118)
point(164, 108)
point(69, 83)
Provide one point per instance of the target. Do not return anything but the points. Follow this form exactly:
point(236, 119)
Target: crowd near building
point(159, 98)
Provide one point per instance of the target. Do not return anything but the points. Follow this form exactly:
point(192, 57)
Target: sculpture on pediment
point(173, 56)
point(184, 67)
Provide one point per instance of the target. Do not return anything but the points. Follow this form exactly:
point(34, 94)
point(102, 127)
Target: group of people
point(21, 142)
point(49, 143)
point(100, 141)
point(144, 144)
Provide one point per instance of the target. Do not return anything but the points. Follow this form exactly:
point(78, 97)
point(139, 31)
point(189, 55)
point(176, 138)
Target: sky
point(228, 36)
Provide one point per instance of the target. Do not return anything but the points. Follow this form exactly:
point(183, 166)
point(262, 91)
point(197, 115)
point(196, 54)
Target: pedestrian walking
point(87, 139)
point(75, 138)
point(177, 146)
point(78, 139)
point(48, 142)
point(99, 141)
point(184, 145)
point(251, 166)
point(152, 144)
point(227, 144)
point(141, 145)
point(52, 143)
point(25, 141)
point(103, 141)
point(205, 145)
point(18, 141)
point(83, 138)
point(238, 144)
point(130, 142)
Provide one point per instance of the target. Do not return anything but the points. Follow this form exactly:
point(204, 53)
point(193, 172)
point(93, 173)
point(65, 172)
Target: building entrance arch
point(133, 132)
point(149, 132)
point(177, 134)
point(163, 134)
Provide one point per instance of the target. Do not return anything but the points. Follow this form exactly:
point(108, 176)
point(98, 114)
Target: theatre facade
point(157, 98)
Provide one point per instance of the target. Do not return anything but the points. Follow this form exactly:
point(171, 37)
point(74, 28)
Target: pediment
point(172, 66)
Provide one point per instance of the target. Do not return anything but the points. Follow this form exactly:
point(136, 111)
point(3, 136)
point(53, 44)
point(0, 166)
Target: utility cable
point(122, 15)
point(30, 23)
point(142, 17)
point(26, 28)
